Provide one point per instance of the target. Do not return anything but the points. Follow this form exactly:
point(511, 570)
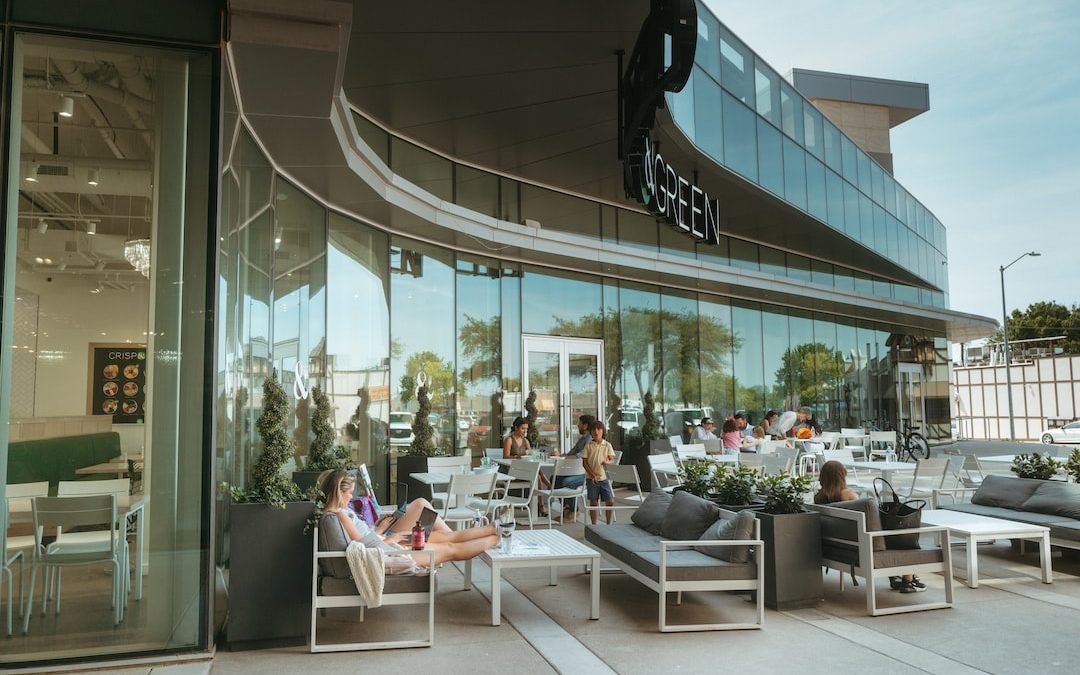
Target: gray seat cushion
point(1056, 498)
point(1007, 514)
point(683, 565)
point(332, 537)
point(650, 515)
point(620, 541)
point(688, 516)
point(737, 526)
point(838, 528)
point(1070, 531)
point(899, 558)
point(393, 584)
point(1003, 491)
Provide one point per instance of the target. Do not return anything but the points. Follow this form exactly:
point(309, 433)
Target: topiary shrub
point(531, 413)
point(323, 454)
point(423, 443)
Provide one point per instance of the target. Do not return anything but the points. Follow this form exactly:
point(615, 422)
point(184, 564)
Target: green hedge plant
point(784, 493)
point(735, 487)
point(1035, 466)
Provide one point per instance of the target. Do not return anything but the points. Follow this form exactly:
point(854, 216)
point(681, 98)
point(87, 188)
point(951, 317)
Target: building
point(307, 189)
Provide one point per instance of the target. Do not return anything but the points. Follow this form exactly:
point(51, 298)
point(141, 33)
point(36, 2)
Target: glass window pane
point(422, 289)
point(881, 238)
point(844, 279)
point(866, 220)
point(791, 112)
point(715, 340)
point(681, 385)
point(736, 68)
point(740, 138)
point(376, 139)
point(638, 230)
point(863, 161)
point(510, 297)
point(851, 169)
point(835, 191)
point(744, 254)
point(773, 261)
point(794, 173)
point(798, 361)
point(748, 364)
point(639, 318)
point(682, 107)
point(768, 93)
point(851, 210)
point(561, 212)
point(358, 342)
point(479, 354)
point(890, 194)
point(774, 323)
point(816, 197)
point(674, 241)
point(477, 190)
point(717, 253)
point(770, 158)
point(878, 182)
point(708, 115)
point(545, 310)
point(813, 131)
point(798, 267)
point(509, 200)
point(832, 146)
point(423, 168)
point(707, 54)
point(828, 372)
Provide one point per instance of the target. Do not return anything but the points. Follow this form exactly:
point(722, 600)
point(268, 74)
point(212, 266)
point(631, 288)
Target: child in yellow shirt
point(596, 454)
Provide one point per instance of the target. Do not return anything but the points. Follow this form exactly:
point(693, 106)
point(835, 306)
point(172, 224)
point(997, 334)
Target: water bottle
point(890, 455)
point(478, 519)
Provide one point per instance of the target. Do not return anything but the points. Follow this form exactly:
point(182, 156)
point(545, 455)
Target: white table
point(974, 528)
point(118, 466)
point(554, 549)
point(438, 478)
point(997, 459)
point(886, 468)
point(129, 510)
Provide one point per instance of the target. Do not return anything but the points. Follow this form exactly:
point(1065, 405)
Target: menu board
point(118, 382)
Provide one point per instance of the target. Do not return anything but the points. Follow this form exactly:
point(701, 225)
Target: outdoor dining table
point(129, 510)
point(441, 478)
point(997, 459)
point(118, 466)
point(886, 468)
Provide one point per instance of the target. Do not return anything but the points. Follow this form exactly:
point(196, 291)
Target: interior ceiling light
point(91, 227)
point(67, 106)
point(137, 252)
point(42, 226)
point(32, 177)
point(93, 177)
point(63, 265)
point(100, 266)
point(39, 260)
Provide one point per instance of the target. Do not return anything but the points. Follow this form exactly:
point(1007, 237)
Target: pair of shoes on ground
point(913, 585)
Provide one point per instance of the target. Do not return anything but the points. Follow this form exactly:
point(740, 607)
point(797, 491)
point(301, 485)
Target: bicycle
point(912, 444)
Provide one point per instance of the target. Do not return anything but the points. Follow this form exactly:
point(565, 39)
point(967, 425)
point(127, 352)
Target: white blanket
point(368, 573)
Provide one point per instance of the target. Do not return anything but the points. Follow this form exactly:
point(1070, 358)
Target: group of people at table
point(739, 436)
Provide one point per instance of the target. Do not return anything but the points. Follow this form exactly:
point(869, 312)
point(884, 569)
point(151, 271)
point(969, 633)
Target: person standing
point(597, 453)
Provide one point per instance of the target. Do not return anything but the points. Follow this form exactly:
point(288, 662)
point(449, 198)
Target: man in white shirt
point(704, 430)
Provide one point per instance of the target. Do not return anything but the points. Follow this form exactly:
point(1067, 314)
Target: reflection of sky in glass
point(423, 313)
point(358, 330)
point(546, 299)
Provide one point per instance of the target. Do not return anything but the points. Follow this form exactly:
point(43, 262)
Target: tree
point(423, 443)
point(1043, 320)
point(439, 378)
point(812, 369)
point(323, 455)
point(650, 430)
point(481, 348)
point(531, 413)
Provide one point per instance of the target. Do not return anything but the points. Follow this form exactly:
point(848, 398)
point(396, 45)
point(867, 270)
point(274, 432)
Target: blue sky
point(997, 157)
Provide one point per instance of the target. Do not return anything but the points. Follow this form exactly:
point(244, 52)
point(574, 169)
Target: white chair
point(855, 439)
point(675, 441)
point(971, 472)
point(628, 493)
point(521, 472)
point(685, 452)
point(493, 453)
point(929, 475)
point(753, 460)
point(618, 457)
point(775, 464)
point(713, 446)
point(464, 489)
point(831, 439)
point(449, 465)
point(18, 549)
point(882, 442)
point(845, 431)
point(665, 472)
point(564, 468)
point(64, 513)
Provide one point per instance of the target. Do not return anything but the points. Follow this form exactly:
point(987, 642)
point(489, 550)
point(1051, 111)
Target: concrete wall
point(1041, 389)
point(867, 125)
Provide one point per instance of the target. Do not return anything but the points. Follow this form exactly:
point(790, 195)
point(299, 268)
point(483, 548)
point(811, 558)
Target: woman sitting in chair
point(447, 544)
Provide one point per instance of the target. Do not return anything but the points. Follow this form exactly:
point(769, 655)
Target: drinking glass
point(506, 529)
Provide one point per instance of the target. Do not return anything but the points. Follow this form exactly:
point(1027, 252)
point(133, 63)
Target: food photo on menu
point(130, 407)
point(111, 371)
point(131, 372)
point(130, 389)
point(110, 389)
point(108, 406)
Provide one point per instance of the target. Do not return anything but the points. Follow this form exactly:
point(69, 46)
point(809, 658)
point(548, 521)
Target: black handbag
point(898, 515)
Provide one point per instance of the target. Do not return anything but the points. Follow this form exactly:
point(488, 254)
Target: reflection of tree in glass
point(812, 370)
point(533, 434)
point(690, 344)
point(481, 345)
point(440, 378)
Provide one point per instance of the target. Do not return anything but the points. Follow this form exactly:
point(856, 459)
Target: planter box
point(408, 464)
point(306, 480)
point(792, 560)
point(269, 575)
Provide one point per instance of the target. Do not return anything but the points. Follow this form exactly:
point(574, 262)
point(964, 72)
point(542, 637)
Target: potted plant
point(733, 489)
point(270, 550)
point(650, 431)
point(792, 539)
point(1036, 466)
point(323, 455)
point(697, 478)
point(1072, 466)
point(413, 459)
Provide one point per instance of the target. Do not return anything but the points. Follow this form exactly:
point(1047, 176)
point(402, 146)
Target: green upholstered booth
point(56, 459)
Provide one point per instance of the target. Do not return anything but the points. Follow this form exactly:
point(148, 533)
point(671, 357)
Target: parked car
point(631, 420)
point(401, 428)
point(1070, 433)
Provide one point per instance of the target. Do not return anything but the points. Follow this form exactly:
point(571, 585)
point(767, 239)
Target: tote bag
point(898, 515)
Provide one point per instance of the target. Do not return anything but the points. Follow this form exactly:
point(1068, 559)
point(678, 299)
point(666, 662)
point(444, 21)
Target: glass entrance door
point(910, 399)
point(565, 374)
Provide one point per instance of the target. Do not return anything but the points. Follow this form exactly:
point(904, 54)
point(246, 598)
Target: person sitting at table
point(515, 445)
point(570, 506)
point(768, 421)
point(448, 544)
point(731, 438)
point(834, 488)
point(804, 419)
point(704, 431)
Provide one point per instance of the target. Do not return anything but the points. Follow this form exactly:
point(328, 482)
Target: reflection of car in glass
point(1070, 433)
point(676, 420)
point(401, 428)
point(631, 420)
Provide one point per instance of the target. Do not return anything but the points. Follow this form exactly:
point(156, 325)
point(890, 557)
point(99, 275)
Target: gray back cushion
point(1055, 498)
point(845, 529)
point(1003, 491)
point(332, 537)
point(650, 515)
point(737, 526)
point(688, 516)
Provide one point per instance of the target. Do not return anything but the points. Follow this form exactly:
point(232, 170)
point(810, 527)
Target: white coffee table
point(542, 548)
point(973, 528)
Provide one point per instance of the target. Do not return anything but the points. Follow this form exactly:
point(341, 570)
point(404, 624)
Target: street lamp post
point(1005, 335)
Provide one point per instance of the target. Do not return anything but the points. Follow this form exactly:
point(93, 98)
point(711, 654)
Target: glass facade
point(820, 171)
